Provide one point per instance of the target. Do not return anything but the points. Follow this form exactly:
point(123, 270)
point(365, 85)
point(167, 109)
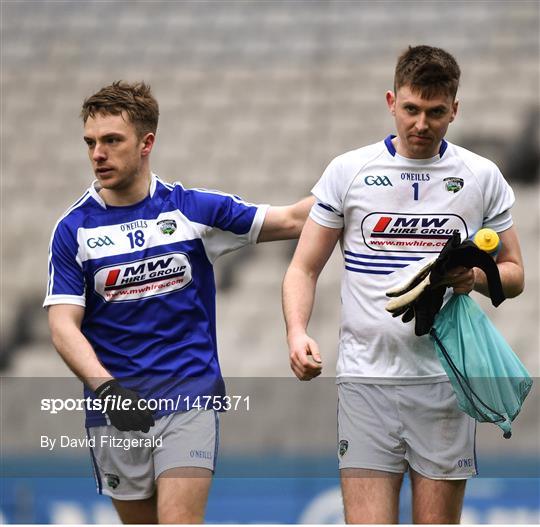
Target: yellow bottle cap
point(487, 240)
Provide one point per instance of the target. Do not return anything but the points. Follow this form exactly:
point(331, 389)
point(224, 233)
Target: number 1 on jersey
point(415, 186)
point(136, 238)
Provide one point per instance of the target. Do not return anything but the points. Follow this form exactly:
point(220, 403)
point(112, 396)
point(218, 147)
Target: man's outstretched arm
point(285, 223)
point(314, 248)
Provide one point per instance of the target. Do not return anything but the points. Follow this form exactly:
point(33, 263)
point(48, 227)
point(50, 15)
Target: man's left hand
point(461, 279)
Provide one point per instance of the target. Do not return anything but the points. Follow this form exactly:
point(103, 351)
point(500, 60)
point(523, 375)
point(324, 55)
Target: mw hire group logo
point(391, 231)
point(143, 278)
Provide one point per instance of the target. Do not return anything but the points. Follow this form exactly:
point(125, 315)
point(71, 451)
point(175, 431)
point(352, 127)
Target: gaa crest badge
point(167, 226)
point(453, 184)
point(112, 480)
point(343, 446)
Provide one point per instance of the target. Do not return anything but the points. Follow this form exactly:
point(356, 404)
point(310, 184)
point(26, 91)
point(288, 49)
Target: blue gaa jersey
point(144, 274)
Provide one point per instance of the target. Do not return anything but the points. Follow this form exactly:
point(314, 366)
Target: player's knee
point(136, 511)
point(430, 518)
point(180, 515)
point(361, 516)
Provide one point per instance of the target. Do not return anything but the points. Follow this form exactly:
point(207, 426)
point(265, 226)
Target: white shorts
point(391, 427)
point(126, 464)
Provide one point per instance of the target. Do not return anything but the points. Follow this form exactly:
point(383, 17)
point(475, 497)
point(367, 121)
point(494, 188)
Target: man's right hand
point(305, 359)
point(114, 398)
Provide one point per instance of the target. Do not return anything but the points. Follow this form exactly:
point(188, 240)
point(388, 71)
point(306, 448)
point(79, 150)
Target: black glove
point(132, 419)
point(423, 305)
point(421, 296)
point(467, 254)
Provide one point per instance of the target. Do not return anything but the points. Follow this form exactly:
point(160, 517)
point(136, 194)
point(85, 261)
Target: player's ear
point(391, 101)
point(147, 142)
point(455, 106)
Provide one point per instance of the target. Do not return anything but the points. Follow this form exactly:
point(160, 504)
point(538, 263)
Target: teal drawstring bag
point(489, 380)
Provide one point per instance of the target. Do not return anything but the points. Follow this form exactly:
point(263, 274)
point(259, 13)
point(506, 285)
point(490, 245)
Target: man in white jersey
point(131, 305)
point(393, 205)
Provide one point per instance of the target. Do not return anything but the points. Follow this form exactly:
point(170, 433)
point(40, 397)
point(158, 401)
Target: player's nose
point(99, 153)
point(421, 123)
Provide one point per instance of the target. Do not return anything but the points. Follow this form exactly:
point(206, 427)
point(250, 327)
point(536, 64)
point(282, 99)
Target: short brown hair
point(135, 99)
point(427, 70)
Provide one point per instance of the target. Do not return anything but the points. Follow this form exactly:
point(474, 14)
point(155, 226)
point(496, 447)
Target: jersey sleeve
point(499, 198)
point(233, 222)
point(66, 280)
point(329, 193)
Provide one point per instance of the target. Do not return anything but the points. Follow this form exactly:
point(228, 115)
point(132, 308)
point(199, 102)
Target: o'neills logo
point(143, 278)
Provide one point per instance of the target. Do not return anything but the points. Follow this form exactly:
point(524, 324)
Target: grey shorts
point(126, 464)
point(391, 427)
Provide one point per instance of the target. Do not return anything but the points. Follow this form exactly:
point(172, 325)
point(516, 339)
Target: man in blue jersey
point(393, 205)
point(131, 305)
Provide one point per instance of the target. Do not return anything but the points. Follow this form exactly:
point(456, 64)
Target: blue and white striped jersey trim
point(51, 270)
point(375, 264)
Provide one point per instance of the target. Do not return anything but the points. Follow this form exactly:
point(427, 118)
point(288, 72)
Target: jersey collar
point(391, 149)
point(94, 190)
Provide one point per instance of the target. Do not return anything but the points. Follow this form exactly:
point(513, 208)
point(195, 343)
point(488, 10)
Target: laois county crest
point(167, 226)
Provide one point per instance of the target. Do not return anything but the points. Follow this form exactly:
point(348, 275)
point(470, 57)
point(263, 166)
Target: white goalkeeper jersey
point(397, 213)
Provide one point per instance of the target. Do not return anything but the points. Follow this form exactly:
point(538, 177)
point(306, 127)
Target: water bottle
point(488, 240)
